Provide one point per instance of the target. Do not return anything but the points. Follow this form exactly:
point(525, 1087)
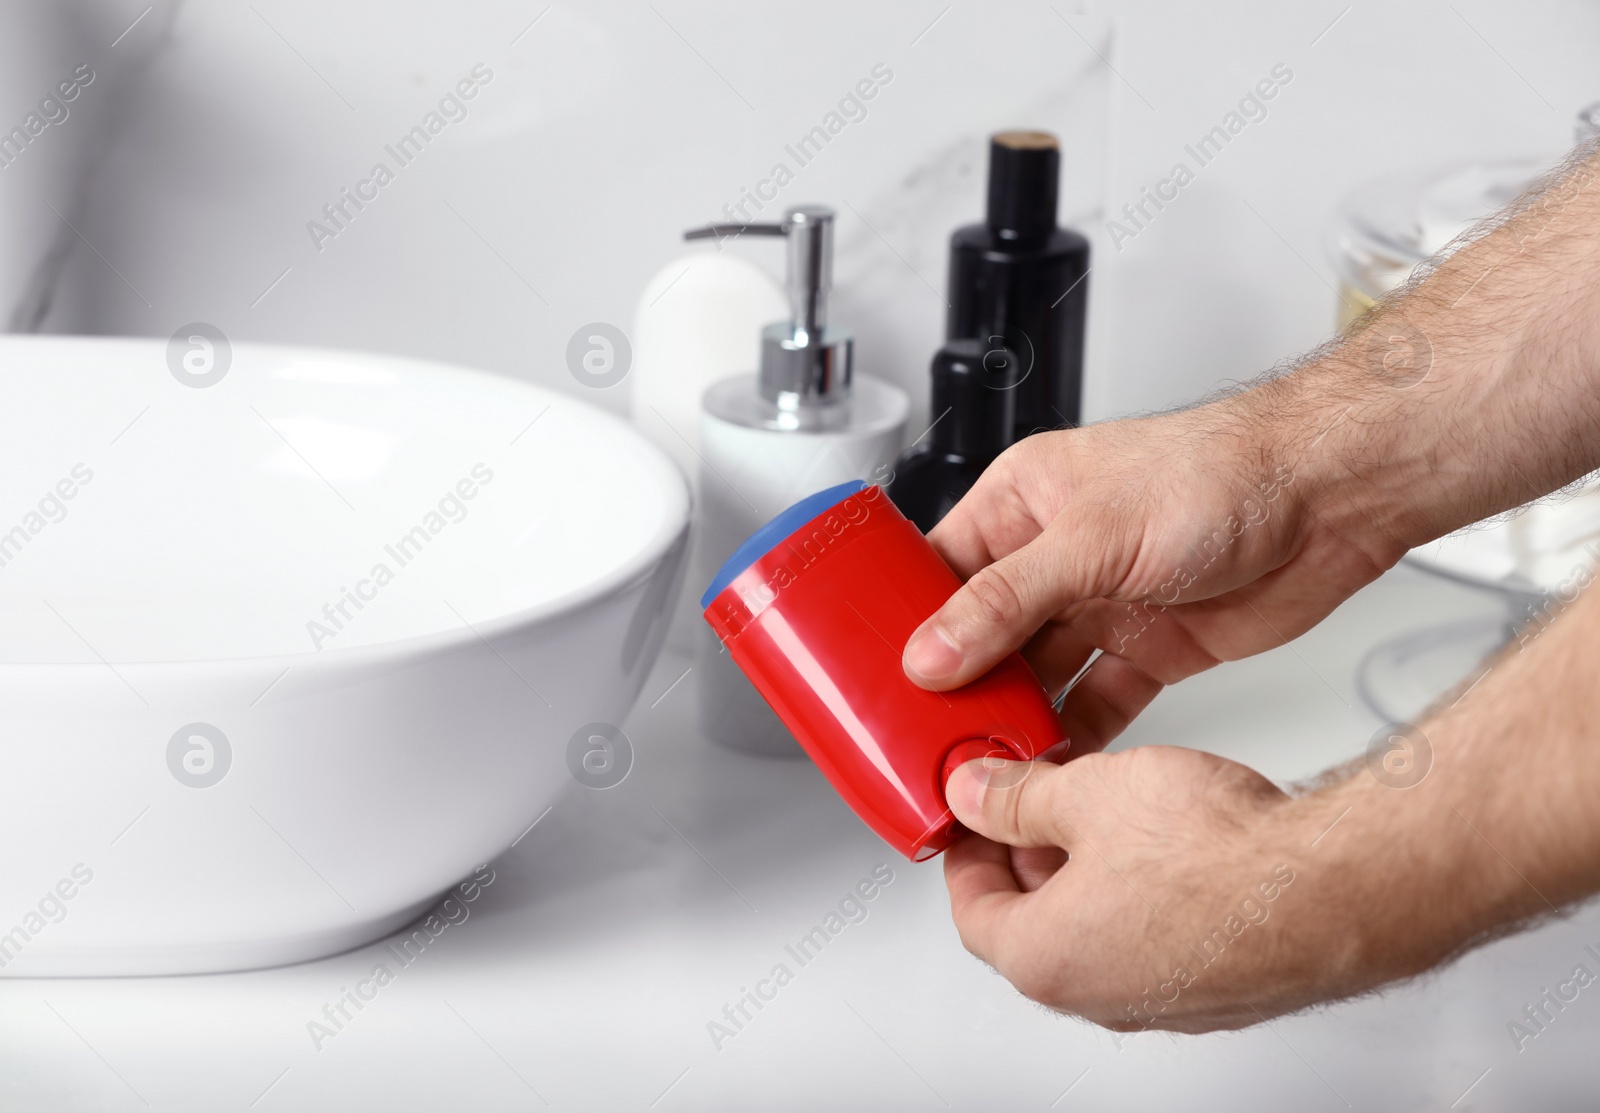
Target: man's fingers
point(1035, 866)
point(1008, 802)
point(983, 894)
point(999, 609)
point(975, 866)
point(991, 521)
point(1102, 704)
point(1057, 653)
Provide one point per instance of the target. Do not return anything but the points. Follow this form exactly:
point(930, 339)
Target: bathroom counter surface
point(605, 964)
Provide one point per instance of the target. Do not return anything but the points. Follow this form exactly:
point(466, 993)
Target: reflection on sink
point(342, 451)
point(301, 648)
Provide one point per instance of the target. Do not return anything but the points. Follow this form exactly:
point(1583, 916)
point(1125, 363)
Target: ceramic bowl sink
point(287, 651)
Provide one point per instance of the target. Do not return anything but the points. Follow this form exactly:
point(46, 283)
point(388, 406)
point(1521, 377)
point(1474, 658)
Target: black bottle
point(1020, 279)
point(972, 407)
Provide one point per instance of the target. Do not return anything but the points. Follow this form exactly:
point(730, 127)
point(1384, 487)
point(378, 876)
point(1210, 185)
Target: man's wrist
point(1321, 436)
point(1352, 440)
point(1468, 393)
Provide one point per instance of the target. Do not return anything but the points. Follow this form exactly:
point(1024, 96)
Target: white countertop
point(586, 975)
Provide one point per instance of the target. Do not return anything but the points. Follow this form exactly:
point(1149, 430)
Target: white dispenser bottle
point(699, 320)
point(801, 423)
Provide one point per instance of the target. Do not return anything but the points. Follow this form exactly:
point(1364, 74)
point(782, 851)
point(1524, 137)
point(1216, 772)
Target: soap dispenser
point(802, 422)
point(699, 320)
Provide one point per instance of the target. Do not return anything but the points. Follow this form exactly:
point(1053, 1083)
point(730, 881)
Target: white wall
point(1212, 291)
point(602, 136)
point(610, 127)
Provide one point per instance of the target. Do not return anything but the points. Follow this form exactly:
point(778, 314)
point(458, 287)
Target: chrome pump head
point(804, 364)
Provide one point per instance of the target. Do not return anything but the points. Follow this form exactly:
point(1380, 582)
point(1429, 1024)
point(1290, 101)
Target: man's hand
point(1167, 888)
point(1195, 897)
point(1170, 543)
point(1186, 872)
point(1175, 542)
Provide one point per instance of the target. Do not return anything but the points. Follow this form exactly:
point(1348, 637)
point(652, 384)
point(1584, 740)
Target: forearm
point(1474, 390)
point(1504, 826)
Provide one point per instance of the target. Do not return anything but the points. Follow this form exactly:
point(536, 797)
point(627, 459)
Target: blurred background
point(191, 180)
point(217, 131)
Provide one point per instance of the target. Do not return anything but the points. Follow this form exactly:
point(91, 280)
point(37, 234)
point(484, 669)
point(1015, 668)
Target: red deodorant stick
point(816, 609)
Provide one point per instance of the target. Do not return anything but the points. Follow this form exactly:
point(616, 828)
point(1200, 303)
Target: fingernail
point(965, 791)
point(932, 655)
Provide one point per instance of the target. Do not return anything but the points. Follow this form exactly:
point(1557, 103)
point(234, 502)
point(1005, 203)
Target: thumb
point(996, 612)
point(1010, 802)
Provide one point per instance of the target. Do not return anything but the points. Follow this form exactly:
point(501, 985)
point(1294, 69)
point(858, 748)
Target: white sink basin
point(284, 657)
